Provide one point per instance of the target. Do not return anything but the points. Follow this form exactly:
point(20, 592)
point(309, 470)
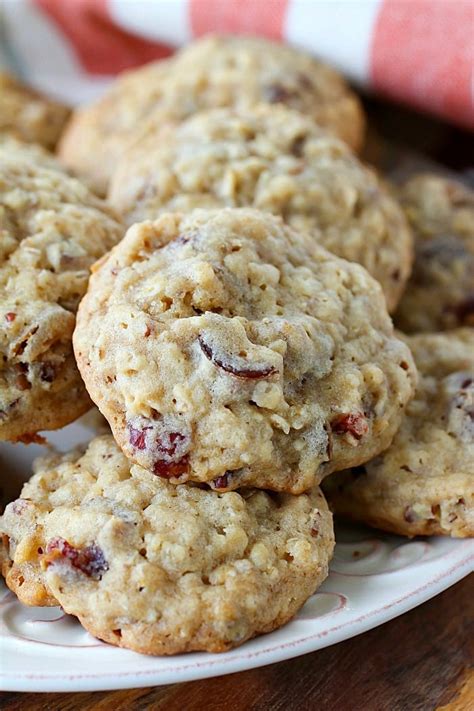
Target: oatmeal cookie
point(276, 160)
point(213, 72)
point(157, 568)
point(225, 347)
point(51, 231)
point(440, 293)
point(424, 483)
point(28, 115)
point(15, 149)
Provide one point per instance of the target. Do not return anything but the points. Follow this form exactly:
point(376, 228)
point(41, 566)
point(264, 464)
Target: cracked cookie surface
point(157, 568)
point(29, 116)
point(276, 160)
point(213, 72)
point(440, 293)
point(51, 230)
point(225, 347)
point(424, 483)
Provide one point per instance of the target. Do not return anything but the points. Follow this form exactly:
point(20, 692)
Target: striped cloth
point(420, 52)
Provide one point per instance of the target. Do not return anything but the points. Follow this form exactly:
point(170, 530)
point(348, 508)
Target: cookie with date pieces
point(157, 568)
point(212, 72)
point(440, 293)
point(225, 347)
point(29, 116)
point(51, 231)
point(424, 483)
point(277, 160)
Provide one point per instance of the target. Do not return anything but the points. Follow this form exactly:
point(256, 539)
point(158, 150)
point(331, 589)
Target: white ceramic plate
point(373, 578)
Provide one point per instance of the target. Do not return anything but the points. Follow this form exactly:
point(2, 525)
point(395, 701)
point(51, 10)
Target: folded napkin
point(420, 52)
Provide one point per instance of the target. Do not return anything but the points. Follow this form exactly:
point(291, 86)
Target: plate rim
point(236, 661)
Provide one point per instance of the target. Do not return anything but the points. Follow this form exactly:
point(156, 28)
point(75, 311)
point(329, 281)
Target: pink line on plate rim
point(249, 655)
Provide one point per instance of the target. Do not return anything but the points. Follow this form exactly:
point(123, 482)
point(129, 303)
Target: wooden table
point(421, 661)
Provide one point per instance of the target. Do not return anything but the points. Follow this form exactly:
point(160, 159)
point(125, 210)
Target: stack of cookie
point(424, 483)
point(235, 335)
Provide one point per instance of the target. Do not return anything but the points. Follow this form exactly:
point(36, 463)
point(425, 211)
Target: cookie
point(277, 160)
point(225, 347)
point(440, 293)
point(162, 569)
point(213, 72)
point(424, 483)
point(52, 229)
point(15, 149)
point(28, 115)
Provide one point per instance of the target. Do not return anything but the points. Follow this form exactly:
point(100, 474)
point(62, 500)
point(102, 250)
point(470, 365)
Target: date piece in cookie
point(225, 347)
point(157, 568)
point(29, 116)
point(51, 230)
point(213, 72)
point(424, 483)
point(440, 292)
point(276, 160)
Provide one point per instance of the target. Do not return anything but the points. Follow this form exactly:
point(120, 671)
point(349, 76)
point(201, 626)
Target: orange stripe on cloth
point(100, 46)
point(423, 54)
point(256, 17)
